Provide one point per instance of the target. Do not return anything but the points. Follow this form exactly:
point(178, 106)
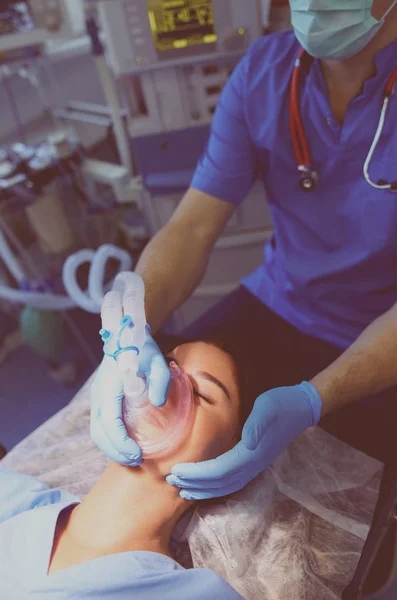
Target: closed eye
point(196, 391)
point(206, 398)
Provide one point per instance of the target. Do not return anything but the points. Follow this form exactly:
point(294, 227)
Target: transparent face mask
point(160, 431)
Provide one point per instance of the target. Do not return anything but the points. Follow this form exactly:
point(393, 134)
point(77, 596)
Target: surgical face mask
point(334, 29)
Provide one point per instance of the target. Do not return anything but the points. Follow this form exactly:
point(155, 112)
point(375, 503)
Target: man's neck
point(127, 509)
point(345, 78)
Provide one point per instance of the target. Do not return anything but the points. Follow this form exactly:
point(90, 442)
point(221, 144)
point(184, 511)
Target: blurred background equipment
point(106, 109)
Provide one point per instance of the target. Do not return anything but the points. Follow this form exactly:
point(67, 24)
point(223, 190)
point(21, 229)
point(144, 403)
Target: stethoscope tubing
point(308, 175)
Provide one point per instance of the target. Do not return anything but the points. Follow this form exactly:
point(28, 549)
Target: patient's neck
point(128, 509)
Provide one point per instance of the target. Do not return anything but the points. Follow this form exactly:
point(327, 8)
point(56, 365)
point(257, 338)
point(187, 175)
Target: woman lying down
point(115, 543)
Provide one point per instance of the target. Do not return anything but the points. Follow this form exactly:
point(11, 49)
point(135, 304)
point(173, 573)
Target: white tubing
point(10, 260)
point(112, 99)
point(41, 301)
point(131, 288)
point(91, 300)
point(37, 299)
point(97, 272)
point(70, 267)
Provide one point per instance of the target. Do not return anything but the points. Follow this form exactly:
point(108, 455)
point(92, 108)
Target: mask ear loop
point(389, 10)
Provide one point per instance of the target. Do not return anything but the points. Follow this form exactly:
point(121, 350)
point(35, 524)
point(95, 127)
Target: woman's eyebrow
point(207, 376)
point(215, 380)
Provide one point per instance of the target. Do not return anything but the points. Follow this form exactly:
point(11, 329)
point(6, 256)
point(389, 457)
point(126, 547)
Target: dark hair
point(168, 343)
point(218, 342)
point(242, 385)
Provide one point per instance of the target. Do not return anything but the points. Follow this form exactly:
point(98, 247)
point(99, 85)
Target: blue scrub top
point(29, 512)
point(331, 268)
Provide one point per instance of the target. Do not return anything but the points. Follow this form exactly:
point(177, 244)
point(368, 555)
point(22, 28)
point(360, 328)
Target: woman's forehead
point(198, 353)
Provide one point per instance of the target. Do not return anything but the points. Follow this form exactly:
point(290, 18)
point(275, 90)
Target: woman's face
point(216, 424)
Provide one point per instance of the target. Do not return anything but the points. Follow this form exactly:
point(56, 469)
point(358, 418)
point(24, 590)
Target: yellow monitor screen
point(181, 23)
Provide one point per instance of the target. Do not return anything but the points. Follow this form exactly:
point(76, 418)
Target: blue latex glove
point(154, 367)
point(108, 431)
point(278, 417)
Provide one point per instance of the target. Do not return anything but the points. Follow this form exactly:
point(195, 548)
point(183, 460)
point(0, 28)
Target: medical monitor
point(142, 34)
point(177, 24)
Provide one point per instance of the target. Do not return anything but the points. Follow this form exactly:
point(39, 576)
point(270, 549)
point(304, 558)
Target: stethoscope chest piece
point(392, 186)
point(308, 179)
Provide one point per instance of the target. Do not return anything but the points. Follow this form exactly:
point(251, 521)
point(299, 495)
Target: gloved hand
point(278, 417)
point(153, 366)
point(108, 431)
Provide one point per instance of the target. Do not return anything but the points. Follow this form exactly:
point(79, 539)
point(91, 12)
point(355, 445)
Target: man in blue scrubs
point(322, 307)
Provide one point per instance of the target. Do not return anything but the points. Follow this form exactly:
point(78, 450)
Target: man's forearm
point(368, 367)
point(172, 266)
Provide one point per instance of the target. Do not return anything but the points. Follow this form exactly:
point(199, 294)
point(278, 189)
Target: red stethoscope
point(308, 175)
